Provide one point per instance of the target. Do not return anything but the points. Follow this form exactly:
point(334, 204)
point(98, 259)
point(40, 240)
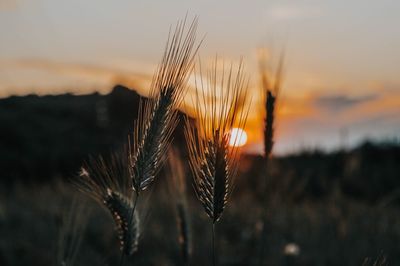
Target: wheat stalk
point(158, 117)
point(71, 233)
point(177, 185)
point(271, 87)
point(213, 162)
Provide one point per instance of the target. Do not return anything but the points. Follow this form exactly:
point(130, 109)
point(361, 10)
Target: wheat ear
point(158, 116)
point(128, 228)
point(108, 182)
point(271, 88)
point(213, 162)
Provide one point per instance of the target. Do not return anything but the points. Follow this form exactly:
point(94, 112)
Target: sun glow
point(238, 137)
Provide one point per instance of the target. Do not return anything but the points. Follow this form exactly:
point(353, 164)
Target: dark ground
point(337, 208)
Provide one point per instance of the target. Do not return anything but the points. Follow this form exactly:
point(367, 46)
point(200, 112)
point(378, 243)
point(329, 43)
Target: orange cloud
point(49, 77)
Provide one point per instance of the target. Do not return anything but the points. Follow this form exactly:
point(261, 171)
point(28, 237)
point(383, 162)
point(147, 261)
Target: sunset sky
point(342, 77)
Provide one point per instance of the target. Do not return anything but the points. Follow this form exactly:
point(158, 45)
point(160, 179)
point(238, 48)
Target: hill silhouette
point(42, 138)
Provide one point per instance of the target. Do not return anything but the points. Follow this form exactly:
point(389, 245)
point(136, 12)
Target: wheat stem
point(263, 241)
point(177, 189)
point(184, 231)
point(213, 242)
point(122, 258)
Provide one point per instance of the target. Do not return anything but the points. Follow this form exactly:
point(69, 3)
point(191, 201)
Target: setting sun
point(238, 137)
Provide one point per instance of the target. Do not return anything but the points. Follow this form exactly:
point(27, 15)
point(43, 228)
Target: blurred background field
point(323, 208)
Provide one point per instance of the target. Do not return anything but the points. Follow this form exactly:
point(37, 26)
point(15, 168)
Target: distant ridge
point(45, 136)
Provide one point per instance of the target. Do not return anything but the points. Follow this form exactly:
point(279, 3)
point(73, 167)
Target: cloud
point(341, 102)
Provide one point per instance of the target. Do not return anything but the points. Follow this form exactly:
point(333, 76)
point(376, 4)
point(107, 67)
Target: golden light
point(238, 137)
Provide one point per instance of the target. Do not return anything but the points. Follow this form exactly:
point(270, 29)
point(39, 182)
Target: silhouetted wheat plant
point(213, 162)
point(117, 183)
point(270, 86)
point(108, 182)
point(158, 117)
point(177, 185)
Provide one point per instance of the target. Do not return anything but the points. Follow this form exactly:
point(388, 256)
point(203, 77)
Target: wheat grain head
point(157, 117)
point(128, 227)
point(213, 162)
point(271, 87)
point(108, 182)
